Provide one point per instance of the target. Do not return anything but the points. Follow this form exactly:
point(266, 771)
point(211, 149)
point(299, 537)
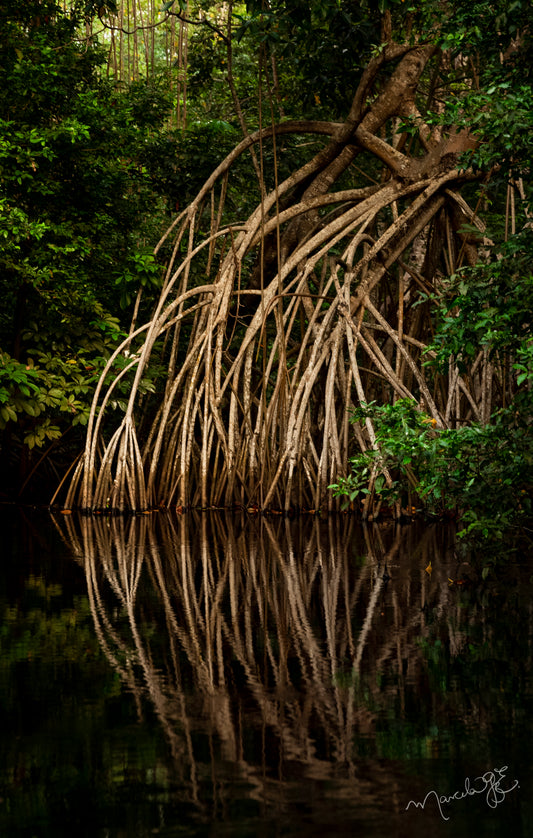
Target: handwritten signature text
point(488, 784)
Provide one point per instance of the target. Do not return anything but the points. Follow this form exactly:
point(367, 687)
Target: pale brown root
point(254, 408)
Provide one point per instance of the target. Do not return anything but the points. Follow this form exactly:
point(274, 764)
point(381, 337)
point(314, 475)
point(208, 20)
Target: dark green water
point(229, 676)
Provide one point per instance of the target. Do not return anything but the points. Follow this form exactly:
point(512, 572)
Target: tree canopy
point(81, 207)
point(351, 182)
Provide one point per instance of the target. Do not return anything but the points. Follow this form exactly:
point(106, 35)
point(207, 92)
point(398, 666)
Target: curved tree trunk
point(255, 410)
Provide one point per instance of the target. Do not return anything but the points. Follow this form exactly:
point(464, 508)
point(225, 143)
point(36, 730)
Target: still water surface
point(231, 676)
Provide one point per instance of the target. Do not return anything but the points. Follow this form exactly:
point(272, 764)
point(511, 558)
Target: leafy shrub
point(483, 473)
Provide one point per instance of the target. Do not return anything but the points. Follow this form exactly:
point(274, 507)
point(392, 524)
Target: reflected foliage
point(310, 646)
point(207, 672)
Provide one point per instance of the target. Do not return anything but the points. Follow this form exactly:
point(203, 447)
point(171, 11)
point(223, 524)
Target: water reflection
point(312, 678)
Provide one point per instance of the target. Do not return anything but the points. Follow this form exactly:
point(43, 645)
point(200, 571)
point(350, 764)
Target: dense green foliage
point(91, 174)
point(321, 49)
point(81, 205)
point(489, 307)
point(484, 471)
